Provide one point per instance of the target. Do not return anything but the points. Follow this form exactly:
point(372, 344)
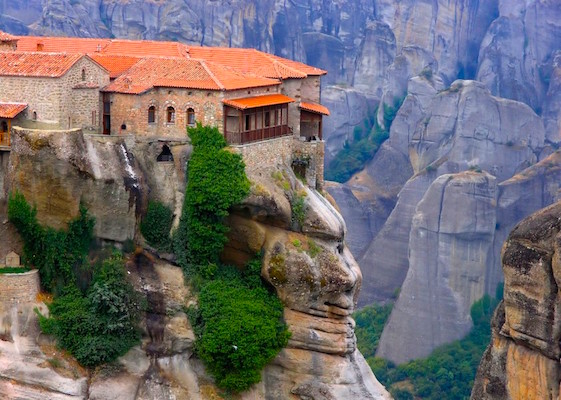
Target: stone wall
point(132, 110)
point(19, 287)
point(285, 150)
point(314, 152)
point(54, 101)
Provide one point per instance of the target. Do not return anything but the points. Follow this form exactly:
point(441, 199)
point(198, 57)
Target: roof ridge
point(277, 62)
point(213, 77)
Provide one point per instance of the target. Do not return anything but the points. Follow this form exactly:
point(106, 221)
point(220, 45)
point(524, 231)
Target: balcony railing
point(257, 134)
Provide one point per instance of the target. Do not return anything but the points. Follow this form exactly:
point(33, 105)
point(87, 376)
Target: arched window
point(83, 74)
point(165, 155)
point(34, 115)
point(151, 114)
point(171, 115)
point(191, 117)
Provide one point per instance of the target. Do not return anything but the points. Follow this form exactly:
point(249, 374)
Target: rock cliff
point(305, 260)
point(522, 361)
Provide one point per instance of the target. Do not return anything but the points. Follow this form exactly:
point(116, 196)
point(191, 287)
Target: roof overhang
point(314, 107)
point(11, 110)
point(258, 101)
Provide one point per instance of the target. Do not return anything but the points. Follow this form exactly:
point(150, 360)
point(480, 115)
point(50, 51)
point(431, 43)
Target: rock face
point(316, 278)
point(59, 170)
point(442, 252)
point(522, 361)
point(305, 260)
point(448, 255)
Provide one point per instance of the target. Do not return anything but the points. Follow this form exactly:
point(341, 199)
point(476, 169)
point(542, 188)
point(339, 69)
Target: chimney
point(40, 46)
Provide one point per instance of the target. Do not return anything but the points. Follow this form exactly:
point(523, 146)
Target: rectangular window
point(267, 118)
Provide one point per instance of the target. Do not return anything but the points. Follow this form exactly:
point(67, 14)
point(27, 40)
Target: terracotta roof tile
point(182, 73)
point(258, 101)
point(36, 64)
point(314, 107)
point(11, 110)
point(116, 65)
point(246, 61)
point(6, 37)
point(254, 61)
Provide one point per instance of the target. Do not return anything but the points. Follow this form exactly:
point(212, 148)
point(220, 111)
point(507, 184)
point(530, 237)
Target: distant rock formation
point(522, 361)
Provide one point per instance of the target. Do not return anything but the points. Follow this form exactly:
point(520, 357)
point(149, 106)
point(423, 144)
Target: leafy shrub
point(299, 208)
point(57, 254)
point(156, 225)
point(217, 181)
point(96, 321)
point(238, 324)
point(101, 326)
point(239, 328)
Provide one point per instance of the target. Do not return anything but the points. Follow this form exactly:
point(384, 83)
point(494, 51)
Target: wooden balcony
point(257, 134)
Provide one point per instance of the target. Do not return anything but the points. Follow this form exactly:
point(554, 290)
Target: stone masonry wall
point(78, 104)
point(132, 110)
point(19, 287)
point(313, 151)
point(283, 151)
point(43, 95)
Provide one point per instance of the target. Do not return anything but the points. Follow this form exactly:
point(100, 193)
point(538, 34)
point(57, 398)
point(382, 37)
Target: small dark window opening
point(267, 118)
point(124, 127)
point(171, 115)
point(34, 115)
point(165, 155)
point(83, 74)
point(151, 114)
point(4, 126)
point(190, 117)
point(247, 122)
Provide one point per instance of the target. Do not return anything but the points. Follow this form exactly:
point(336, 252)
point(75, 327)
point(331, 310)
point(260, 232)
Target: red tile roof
point(116, 65)
point(255, 62)
point(36, 64)
point(258, 101)
point(6, 37)
point(182, 73)
point(118, 55)
point(11, 110)
point(314, 107)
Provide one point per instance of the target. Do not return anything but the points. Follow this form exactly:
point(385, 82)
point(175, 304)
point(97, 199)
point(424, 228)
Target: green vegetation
point(95, 311)
point(156, 224)
point(238, 324)
point(299, 206)
point(216, 182)
point(14, 270)
point(370, 323)
point(448, 373)
point(367, 140)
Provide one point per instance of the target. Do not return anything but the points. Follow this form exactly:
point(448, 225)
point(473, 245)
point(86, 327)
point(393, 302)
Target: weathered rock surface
point(515, 59)
point(59, 170)
point(522, 361)
point(449, 253)
point(317, 279)
point(445, 132)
